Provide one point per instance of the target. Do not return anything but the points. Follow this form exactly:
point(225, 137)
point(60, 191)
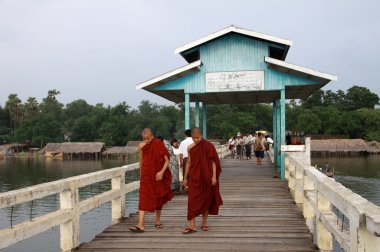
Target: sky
point(99, 50)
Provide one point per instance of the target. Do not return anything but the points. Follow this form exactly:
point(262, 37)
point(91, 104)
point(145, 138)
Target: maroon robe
point(154, 194)
point(202, 194)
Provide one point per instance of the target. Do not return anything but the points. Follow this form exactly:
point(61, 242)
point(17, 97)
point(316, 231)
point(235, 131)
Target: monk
point(155, 179)
point(202, 180)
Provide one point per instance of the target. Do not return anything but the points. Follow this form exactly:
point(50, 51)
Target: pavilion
point(238, 66)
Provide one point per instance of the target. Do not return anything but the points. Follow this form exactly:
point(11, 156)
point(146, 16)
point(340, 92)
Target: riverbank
point(345, 146)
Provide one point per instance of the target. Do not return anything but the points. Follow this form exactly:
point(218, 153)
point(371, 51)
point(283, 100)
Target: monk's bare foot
point(158, 226)
point(204, 228)
point(136, 229)
point(189, 230)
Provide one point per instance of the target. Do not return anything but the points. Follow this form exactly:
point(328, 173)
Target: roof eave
point(171, 74)
point(301, 69)
point(235, 29)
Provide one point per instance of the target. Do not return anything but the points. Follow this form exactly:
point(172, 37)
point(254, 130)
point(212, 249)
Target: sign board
point(234, 81)
point(293, 148)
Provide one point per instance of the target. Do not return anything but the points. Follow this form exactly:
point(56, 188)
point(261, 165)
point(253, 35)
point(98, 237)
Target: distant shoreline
point(345, 146)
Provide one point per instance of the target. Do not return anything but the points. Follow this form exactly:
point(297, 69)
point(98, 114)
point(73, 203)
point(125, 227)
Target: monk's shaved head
point(147, 132)
point(196, 135)
point(147, 135)
point(196, 131)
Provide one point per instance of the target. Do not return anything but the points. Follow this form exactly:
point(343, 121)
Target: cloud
point(98, 50)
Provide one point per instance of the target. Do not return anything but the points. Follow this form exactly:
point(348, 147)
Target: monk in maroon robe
point(202, 179)
point(155, 179)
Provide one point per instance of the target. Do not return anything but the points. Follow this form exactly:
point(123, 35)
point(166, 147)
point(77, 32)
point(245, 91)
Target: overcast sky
point(99, 50)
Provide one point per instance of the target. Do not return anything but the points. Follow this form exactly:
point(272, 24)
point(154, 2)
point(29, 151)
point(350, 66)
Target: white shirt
point(269, 140)
point(184, 146)
point(176, 151)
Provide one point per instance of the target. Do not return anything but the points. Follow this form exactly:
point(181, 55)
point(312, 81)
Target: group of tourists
point(159, 177)
point(249, 143)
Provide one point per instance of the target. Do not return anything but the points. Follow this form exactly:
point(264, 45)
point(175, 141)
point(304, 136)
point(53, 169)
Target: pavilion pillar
point(278, 135)
point(282, 161)
point(187, 111)
point(274, 136)
point(197, 113)
point(204, 119)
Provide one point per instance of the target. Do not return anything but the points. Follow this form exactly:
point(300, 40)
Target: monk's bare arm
point(141, 145)
point(160, 174)
point(213, 179)
point(181, 159)
point(187, 168)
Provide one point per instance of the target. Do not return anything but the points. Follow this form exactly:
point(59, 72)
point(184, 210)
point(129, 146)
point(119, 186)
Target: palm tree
point(31, 107)
point(14, 107)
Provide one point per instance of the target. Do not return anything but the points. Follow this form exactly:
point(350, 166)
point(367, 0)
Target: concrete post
point(282, 162)
point(275, 144)
point(308, 151)
point(278, 133)
point(70, 230)
point(197, 113)
point(187, 111)
point(307, 208)
point(204, 120)
point(118, 204)
point(324, 237)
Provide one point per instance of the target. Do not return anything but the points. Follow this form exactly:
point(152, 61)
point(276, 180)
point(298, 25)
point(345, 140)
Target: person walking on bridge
point(248, 141)
point(203, 167)
point(183, 154)
point(155, 179)
point(259, 148)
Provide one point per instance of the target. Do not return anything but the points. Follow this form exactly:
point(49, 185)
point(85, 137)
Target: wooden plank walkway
point(258, 215)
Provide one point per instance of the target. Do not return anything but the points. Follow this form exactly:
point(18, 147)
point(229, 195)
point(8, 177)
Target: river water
point(360, 174)
point(15, 174)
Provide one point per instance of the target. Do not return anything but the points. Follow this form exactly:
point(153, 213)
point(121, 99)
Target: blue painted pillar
point(275, 131)
point(204, 120)
point(197, 113)
point(187, 111)
point(282, 132)
point(278, 134)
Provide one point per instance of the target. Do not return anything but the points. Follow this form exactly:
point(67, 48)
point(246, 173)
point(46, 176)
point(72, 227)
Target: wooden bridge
point(258, 214)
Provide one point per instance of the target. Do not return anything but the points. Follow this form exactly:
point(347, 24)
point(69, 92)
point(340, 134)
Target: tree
point(13, 105)
point(360, 97)
point(315, 99)
point(30, 107)
point(308, 122)
point(39, 130)
point(83, 130)
point(50, 105)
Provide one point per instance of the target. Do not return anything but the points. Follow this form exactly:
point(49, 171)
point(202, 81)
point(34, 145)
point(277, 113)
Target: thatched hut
point(8, 150)
point(85, 150)
point(120, 152)
point(344, 146)
point(51, 149)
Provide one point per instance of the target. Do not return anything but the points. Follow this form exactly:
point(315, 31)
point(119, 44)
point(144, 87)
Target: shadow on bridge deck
point(258, 215)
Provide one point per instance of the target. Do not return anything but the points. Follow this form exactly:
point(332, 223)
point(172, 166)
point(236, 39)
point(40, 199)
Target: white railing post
point(286, 168)
point(118, 204)
point(308, 209)
point(299, 188)
point(369, 234)
point(70, 230)
point(324, 237)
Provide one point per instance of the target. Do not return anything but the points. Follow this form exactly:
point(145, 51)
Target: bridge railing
point(322, 200)
point(71, 207)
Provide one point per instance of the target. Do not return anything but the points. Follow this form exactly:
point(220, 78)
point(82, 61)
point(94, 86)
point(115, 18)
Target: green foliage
point(308, 122)
point(350, 113)
point(360, 97)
